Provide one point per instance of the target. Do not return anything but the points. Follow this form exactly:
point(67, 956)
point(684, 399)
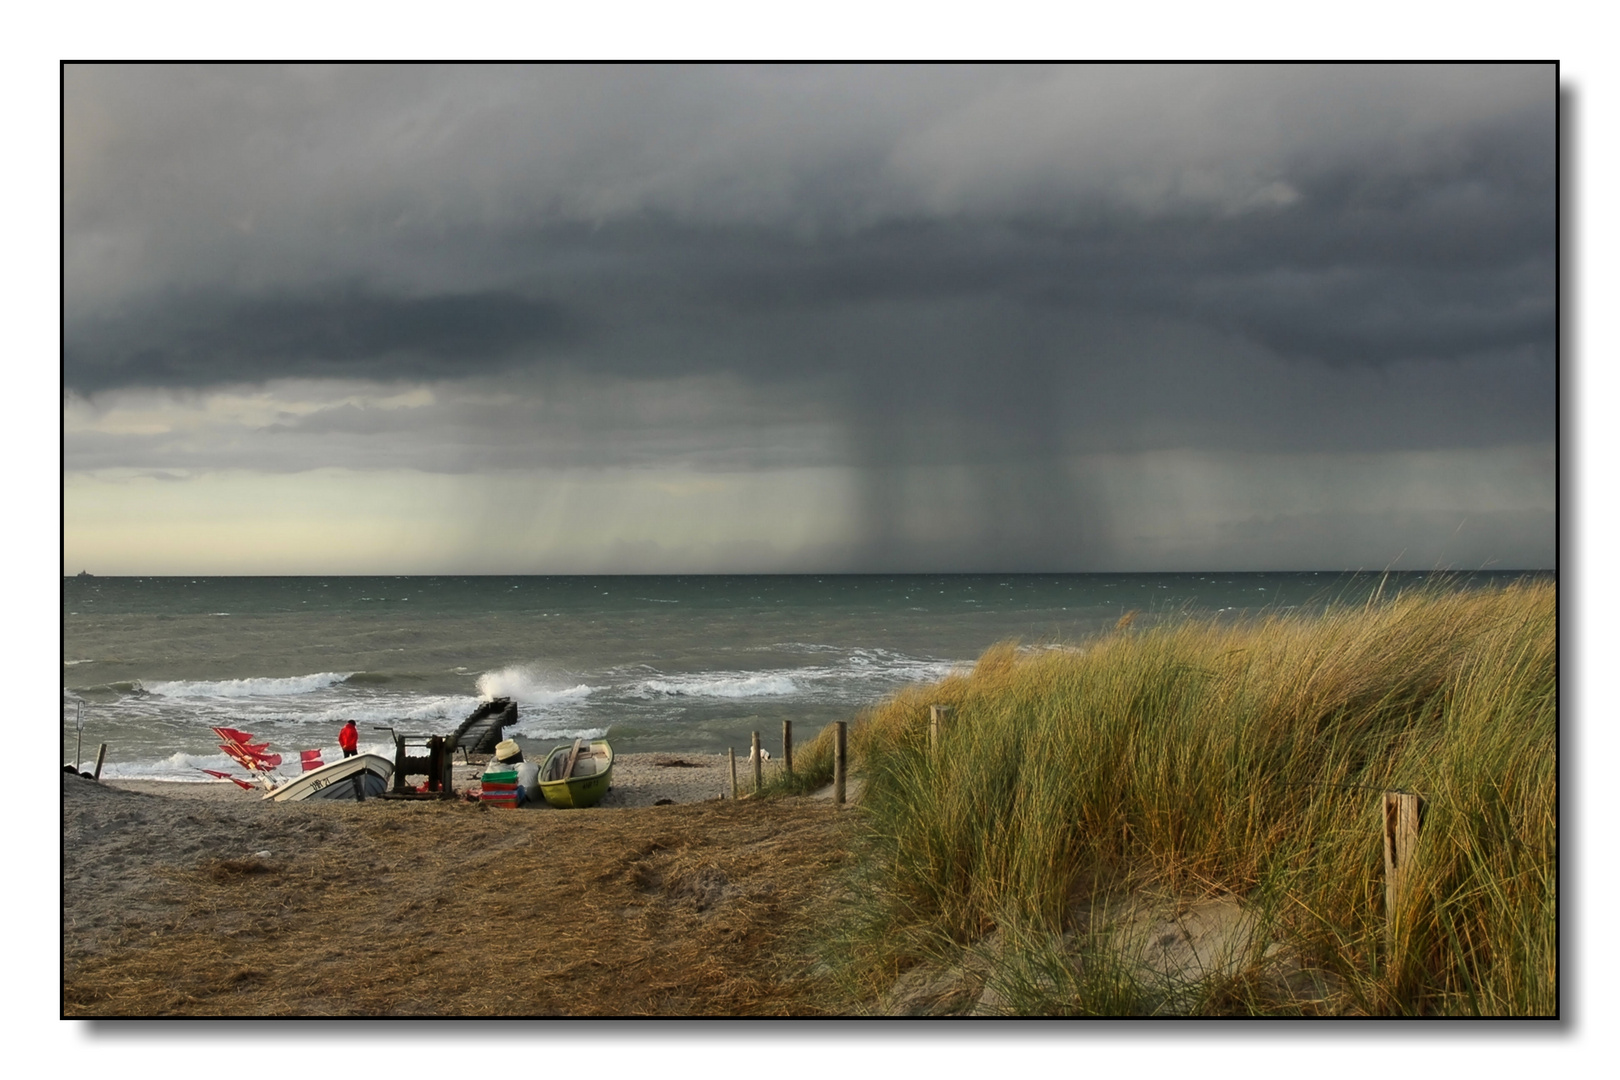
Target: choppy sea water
point(688, 663)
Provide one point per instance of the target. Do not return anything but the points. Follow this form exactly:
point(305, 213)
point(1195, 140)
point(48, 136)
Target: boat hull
point(337, 780)
point(577, 792)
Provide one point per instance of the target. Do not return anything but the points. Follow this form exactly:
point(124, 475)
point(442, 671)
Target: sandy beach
point(203, 899)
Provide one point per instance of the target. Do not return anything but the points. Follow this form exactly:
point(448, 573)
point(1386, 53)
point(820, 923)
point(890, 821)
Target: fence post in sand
point(937, 715)
point(1401, 821)
point(838, 765)
point(731, 751)
point(101, 756)
point(759, 764)
point(787, 746)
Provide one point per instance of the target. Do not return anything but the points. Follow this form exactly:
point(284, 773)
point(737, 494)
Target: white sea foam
point(725, 685)
point(526, 686)
point(558, 731)
point(384, 710)
point(248, 688)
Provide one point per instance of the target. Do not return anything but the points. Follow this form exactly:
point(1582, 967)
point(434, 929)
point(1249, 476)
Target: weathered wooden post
point(787, 746)
point(101, 756)
point(78, 722)
point(838, 765)
point(759, 764)
point(732, 751)
point(399, 761)
point(1401, 821)
point(937, 715)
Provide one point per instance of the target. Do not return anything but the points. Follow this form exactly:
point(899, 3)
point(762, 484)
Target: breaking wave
point(248, 688)
point(724, 685)
point(527, 687)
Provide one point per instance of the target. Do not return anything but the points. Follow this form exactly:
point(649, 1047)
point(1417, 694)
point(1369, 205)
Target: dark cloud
point(218, 338)
point(995, 268)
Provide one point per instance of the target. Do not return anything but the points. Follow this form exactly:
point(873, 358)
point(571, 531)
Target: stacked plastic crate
point(500, 789)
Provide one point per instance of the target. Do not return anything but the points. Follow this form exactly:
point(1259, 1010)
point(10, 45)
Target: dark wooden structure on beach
point(480, 733)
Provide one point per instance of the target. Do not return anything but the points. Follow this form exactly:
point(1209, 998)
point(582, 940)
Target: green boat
point(577, 776)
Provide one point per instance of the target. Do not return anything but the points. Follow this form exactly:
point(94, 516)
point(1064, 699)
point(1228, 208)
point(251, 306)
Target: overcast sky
point(558, 319)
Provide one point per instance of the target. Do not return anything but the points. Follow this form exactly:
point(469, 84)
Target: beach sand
point(203, 899)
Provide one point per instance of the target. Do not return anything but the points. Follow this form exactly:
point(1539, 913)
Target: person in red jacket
point(349, 739)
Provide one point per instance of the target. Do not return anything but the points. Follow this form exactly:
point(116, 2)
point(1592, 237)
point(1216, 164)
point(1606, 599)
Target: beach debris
point(764, 754)
point(261, 854)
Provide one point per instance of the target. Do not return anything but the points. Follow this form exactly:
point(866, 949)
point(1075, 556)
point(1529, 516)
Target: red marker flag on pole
point(228, 776)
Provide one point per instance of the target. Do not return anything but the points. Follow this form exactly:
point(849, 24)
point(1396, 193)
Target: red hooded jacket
point(349, 737)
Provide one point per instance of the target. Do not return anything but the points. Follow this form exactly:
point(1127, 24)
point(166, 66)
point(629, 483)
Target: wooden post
point(731, 751)
point(759, 764)
point(1401, 811)
point(101, 756)
point(838, 765)
point(399, 762)
point(787, 746)
point(937, 715)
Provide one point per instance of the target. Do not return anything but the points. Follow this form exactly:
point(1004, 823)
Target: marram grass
point(1249, 760)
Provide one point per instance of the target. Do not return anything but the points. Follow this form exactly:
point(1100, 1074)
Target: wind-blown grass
point(1200, 758)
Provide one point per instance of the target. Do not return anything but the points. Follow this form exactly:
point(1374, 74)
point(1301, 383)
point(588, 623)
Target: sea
point(678, 664)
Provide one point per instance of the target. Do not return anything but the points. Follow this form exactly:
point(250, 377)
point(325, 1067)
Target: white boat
point(337, 780)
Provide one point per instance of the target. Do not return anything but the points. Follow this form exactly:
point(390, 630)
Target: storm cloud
point(970, 288)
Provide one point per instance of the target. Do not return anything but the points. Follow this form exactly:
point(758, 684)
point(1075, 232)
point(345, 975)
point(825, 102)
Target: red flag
point(232, 735)
point(228, 776)
point(311, 759)
point(250, 759)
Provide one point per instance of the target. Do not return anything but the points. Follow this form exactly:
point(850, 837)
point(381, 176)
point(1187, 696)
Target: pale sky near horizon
point(690, 319)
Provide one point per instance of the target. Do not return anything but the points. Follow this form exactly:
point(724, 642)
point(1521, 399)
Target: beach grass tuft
point(1088, 805)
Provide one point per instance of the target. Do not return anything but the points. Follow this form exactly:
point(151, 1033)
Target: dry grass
point(1245, 759)
point(434, 909)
